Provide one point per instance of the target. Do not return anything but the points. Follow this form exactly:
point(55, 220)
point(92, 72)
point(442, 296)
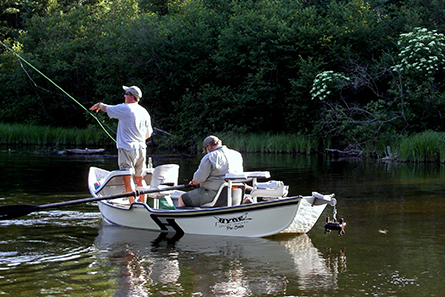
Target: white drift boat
point(268, 211)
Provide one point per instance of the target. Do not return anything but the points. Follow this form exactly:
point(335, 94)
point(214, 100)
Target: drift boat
point(265, 211)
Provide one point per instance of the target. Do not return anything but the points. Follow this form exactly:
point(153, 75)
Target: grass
point(45, 135)
point(269, 143)
point(428, 146)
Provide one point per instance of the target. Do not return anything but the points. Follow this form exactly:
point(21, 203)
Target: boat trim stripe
point(214, 210)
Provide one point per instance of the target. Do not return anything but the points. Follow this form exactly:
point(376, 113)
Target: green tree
point(411, 102)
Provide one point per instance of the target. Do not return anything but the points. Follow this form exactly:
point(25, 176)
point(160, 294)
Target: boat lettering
point(233, 223)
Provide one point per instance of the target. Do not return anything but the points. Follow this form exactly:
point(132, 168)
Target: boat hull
point(263, 214)
point(249, 220)
point(309, 211)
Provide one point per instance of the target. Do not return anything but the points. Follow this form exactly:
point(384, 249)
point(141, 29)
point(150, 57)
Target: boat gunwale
point(210, 210)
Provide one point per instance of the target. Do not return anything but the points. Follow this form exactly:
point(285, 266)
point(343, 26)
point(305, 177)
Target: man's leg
point(129, 186)
point(138, 180)
point(180, 202)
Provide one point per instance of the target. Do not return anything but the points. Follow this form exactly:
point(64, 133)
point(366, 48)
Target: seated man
point(218, 161)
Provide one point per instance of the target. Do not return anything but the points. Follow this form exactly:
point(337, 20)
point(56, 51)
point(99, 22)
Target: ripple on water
point(47, 236)
point(56, 218)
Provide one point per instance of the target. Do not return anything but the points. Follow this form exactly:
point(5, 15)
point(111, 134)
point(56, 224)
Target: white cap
point(133, 90)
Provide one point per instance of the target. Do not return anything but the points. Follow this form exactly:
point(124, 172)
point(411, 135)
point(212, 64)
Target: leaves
point(211, 66)
point(421, 51)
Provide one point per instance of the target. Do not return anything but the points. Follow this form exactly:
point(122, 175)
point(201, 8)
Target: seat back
point(271, 189)
point(165, 175)
point(238, 190)
point(106, 182)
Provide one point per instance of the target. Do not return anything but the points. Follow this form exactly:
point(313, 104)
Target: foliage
point(420, 78)
point(216, 66)
point(325, 82)
point(421, 52)
point(411, 102)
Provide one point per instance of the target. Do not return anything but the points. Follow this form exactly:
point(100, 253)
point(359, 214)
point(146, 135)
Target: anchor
point(334, 225)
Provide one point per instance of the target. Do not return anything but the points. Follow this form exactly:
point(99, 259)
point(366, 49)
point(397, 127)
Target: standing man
point(133, 129)
point(218, 161)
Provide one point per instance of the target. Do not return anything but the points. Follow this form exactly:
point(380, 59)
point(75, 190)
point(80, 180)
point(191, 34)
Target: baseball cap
point(212, 140)
point(133, 90)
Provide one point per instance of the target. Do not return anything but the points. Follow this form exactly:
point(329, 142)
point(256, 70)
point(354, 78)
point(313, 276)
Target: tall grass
point(44, 135)
point(269, 143)
point(428, 146)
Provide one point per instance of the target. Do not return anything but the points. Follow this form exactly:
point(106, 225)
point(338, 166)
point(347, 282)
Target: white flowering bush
point(325, 82)
point(421, 51)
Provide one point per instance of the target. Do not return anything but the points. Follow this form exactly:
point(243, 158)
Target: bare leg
point(180, 202)
point(138, 180)
point(129, 187)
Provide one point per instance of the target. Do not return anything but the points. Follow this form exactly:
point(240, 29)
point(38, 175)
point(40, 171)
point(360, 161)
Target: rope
point(71, 97)
point(334, 214)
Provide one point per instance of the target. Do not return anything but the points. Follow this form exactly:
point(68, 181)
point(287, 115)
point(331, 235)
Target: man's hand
point(194, 183)
point(99, 106)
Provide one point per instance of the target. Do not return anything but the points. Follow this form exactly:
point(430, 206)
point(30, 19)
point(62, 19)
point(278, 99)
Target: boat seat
point(157, 178)
point(247, 176)
point(236, 182)
point(166, 174)
point(271, 189)
point(112, 183)
point(221, 198)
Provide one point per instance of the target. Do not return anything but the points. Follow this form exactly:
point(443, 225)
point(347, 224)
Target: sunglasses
point(128, 94)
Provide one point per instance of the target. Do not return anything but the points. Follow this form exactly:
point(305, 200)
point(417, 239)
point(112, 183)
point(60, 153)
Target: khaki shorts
point(133, 160)
point(198, 197)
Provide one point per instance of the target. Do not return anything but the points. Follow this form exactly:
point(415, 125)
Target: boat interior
point(244, 187)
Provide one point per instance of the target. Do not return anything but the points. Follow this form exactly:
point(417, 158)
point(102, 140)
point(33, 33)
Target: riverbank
point(428, 146)
point(22, 134)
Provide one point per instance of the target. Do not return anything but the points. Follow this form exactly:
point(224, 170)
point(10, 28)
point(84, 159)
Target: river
point(394, 243)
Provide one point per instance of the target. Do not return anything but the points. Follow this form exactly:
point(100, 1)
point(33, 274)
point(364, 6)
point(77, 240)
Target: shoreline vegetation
point(428, 146)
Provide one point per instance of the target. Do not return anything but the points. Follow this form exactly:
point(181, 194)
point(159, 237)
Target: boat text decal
point(232, 223)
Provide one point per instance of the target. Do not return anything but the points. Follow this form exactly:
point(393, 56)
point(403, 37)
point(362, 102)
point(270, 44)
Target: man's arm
point(203, 172)
point(99, 106)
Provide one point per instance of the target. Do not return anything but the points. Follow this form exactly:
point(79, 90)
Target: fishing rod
point(69, 96)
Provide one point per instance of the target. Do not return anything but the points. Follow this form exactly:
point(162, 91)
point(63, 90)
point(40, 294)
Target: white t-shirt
point(134, 125)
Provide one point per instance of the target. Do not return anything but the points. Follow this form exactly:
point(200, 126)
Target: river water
point(394, 243)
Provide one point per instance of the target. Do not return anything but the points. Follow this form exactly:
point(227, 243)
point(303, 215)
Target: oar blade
point(8, 212)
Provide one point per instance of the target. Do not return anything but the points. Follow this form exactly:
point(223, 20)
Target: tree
point(411, 102)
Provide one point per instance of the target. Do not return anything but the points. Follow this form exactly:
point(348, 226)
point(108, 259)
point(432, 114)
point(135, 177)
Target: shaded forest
point(349, 72)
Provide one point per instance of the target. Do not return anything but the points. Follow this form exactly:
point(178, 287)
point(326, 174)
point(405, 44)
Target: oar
point(8, 212)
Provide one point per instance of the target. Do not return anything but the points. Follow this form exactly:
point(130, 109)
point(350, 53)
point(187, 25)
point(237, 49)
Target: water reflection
point(150, 262)
point(58, 252)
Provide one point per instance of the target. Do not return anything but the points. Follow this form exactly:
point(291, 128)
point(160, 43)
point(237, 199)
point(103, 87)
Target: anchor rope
point(69, 96)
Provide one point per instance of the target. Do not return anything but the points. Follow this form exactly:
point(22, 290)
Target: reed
point(428, 146)
point(387, 145)
point(269, 143)
point(45, 135)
